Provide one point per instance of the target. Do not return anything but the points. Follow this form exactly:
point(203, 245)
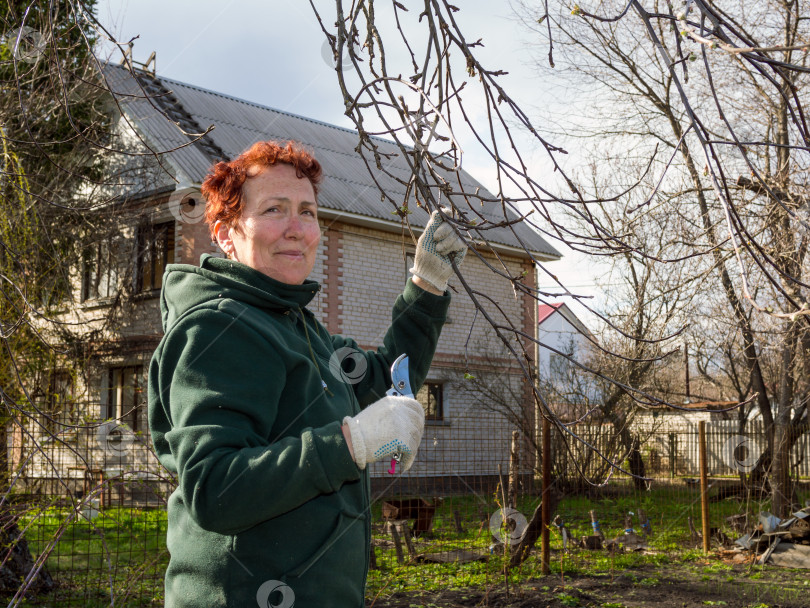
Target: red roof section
point(544, 311)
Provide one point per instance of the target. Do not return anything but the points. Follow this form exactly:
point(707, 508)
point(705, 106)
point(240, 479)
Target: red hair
point(222, 187)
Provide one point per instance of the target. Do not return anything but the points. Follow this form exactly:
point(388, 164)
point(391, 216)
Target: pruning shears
point(401, 387)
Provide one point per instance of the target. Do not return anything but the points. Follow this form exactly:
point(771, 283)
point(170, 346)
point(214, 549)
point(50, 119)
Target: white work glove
point(433, 250)
point(392, 425)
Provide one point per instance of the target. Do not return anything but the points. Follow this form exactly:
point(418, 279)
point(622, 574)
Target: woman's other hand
point(392, 425)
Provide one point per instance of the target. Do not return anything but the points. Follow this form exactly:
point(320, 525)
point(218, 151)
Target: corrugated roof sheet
point(347, 185)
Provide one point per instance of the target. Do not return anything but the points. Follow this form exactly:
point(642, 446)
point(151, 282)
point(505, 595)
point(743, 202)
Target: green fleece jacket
point(245, 410)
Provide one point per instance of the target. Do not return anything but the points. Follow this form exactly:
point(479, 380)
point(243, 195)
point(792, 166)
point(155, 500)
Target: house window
point(155, 252)
point(59, 402)
point(121, 395)
point(100, 270)
point(431, 396)
point(409, 258)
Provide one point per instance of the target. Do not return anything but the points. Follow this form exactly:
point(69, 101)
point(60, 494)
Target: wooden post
point(704, 486)
point(558, 522)
point(537, 411)
point(405, 529)
point(673, 455)
point(397, 542)
point(646, 526)
point(514, 467)
point(546, 511)
point(457, 519)
point(628, 524)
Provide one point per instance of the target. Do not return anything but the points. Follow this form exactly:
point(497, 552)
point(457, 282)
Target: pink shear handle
point(393, 468)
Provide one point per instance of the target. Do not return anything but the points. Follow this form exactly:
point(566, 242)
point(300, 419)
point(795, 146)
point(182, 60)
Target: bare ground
point(675, 586)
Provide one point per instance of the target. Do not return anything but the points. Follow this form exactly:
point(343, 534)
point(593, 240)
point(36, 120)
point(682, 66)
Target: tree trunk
point(18, 564)
point(781, 487)
point(636, 463)
point(533, 530)
point(632, 446)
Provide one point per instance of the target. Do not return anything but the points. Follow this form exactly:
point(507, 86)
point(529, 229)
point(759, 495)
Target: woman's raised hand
point(434, 250)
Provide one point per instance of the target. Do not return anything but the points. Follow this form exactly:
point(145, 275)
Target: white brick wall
point(473, 439)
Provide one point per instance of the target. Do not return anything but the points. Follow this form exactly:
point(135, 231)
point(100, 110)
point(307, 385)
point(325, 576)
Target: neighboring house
point(560, 333)
point(362, 266)
point(564, 339)
point(669, 436)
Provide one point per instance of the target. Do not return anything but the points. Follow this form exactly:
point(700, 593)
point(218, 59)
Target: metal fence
point(84, 517)
point(670, 449)
point(90, 503)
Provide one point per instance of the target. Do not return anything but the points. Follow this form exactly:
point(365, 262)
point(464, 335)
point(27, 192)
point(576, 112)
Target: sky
point(273, 52)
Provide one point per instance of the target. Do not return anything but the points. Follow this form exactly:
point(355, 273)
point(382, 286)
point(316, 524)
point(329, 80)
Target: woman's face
point(278, 233)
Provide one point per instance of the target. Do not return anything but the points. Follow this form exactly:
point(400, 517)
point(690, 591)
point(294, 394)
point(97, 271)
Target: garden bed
point(679, 587)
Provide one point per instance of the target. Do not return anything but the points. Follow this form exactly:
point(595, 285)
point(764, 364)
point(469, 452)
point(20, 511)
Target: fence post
point(397, 542)
point(673, 451)
point(546, 511)
point(514, 468)
point(704, 486)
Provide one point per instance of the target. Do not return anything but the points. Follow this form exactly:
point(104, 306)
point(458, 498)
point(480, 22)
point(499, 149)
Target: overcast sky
point(272, 53)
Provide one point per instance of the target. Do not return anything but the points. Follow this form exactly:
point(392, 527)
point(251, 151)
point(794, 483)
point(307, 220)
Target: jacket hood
point(186, 286)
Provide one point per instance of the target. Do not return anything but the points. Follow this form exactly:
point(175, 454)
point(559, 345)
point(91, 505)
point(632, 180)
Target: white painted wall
point(556, 333)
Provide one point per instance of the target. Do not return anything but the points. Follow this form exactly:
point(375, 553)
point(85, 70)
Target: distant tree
point(54, 130)
point(64, 164)
point(726, 133)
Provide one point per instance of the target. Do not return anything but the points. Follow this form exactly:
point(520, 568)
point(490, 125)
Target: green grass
point(122, 548)
point(125, 548)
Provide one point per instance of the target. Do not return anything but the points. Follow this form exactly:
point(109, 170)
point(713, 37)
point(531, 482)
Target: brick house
point(362, 267)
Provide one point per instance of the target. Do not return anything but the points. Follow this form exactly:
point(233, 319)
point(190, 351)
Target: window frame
point(60, 401)
point(100, 261)
point(439, 415)
point(113, 390)
point(154, 245)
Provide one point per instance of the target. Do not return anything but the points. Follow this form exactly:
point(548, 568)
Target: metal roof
point(347, 187)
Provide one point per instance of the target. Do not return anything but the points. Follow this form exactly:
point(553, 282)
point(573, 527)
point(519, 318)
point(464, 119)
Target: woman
point(270, 448)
